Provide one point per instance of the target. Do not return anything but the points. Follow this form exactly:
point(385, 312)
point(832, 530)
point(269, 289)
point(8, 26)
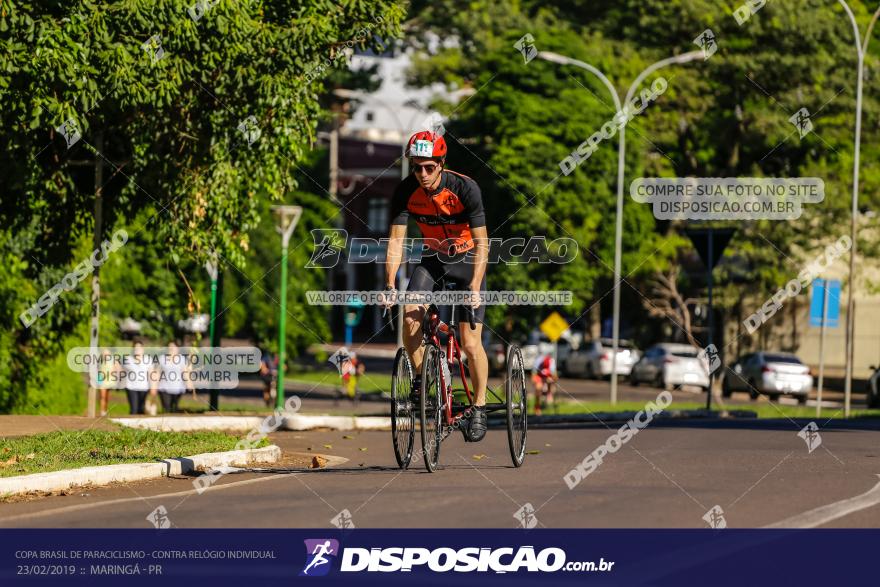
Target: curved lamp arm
point(562, 59)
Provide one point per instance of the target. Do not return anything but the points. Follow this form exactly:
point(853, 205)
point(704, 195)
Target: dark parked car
point(873, 391)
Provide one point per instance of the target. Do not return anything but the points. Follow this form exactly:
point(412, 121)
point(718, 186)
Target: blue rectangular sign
point(832, 314)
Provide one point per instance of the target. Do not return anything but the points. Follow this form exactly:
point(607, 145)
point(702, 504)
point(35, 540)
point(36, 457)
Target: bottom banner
point(435, 557)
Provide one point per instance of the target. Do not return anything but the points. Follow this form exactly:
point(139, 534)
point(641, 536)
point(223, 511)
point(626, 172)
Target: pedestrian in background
point(173, 381)
point(139, 370)
point(107, 375)
point(268, 373)
point(353, 371)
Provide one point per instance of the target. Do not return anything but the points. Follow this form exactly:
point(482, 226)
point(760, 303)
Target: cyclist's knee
point(472, 347)
point(412, 317)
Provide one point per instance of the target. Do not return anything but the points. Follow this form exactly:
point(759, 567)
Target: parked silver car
point(593, 359)
point(668, 365)
point(773, 374)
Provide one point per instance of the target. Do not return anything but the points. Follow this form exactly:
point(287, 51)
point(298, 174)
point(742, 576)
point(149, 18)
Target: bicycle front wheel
point(515, 388)
point(403, 416)
point(431, 406)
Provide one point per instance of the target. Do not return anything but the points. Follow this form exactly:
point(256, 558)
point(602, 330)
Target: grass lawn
point(368, 383)
point(71, 449)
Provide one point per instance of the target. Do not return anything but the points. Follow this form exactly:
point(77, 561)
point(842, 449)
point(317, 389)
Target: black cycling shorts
point(430, 273)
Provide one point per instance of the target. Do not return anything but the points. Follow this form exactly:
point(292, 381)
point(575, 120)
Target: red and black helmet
point(426, 144)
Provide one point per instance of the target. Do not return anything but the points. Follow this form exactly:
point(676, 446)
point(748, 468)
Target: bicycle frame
point(431, 329)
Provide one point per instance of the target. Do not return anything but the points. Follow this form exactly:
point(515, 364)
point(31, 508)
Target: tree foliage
point(200, 113)
point(727, 116)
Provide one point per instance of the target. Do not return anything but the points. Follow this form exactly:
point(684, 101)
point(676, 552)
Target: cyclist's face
point(426, 170)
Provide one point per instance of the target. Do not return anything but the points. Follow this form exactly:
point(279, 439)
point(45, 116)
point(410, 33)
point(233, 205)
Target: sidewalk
point(23, 425)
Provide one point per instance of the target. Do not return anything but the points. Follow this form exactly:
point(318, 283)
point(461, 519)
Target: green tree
point(200, 113)
point(727, 116)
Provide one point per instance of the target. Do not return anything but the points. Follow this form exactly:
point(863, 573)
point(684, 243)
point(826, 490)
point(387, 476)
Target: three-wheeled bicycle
point(440, 407)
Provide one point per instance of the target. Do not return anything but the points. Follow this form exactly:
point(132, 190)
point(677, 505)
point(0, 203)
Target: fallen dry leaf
point(318, 462)
point(362, 449)
point(30, 456)
point(479, 457)
point(11, 461)
point(328, 446)
point(347, 437)
point(533, 452)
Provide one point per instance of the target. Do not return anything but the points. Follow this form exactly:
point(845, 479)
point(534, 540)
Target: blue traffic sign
point(832, 313)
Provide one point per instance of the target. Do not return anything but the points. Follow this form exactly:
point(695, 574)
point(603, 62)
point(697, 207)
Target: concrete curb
point(193, 423)
point(104, 475)
point(303, 422)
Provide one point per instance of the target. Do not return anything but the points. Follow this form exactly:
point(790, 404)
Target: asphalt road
point(668, 475)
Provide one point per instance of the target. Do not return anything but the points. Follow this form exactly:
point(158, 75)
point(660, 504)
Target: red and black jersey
point(446, 215)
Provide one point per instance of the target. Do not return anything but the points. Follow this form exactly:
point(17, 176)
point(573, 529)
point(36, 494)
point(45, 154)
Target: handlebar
point(389, 314)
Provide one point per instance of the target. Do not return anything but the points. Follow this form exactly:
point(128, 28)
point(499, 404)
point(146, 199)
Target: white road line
point(832, 511)
point(86, 506)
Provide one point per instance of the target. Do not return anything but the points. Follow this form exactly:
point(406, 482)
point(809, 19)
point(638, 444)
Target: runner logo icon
point(320, 553)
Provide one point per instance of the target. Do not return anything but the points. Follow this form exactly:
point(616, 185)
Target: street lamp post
point(288, 216)
point(861, 50)
point(621, 162)
point(212, 267)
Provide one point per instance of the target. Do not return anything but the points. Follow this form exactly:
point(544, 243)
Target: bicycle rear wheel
point(431, 405)
point(403, 416)
point(517, 419)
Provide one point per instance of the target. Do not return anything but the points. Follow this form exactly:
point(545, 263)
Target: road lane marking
point(833, 511)
point(86, 506)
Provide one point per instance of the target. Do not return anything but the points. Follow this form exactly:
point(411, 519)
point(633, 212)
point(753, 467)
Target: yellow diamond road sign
point(553, 326)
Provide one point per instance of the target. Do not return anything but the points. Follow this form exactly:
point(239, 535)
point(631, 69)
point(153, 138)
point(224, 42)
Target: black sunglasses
point(428, 168)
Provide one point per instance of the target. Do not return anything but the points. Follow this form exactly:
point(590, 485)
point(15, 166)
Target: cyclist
point(448, 209)
point(545, 378)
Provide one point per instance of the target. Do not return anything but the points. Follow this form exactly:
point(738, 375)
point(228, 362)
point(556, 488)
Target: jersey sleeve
point(399, 212)
point(472, 199)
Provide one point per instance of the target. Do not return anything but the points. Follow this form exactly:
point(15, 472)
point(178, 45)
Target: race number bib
point(422, 149)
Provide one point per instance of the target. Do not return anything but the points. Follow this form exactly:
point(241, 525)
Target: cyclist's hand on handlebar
point(475, 303)
point(475, 296)
point(389, 299)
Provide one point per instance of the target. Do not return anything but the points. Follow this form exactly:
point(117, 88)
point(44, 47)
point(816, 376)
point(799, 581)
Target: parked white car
point(772, 374)
point(668, 365)
point(593, 359)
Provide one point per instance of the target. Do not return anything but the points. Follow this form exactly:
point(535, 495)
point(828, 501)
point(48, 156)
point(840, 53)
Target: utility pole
point(94, 327)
